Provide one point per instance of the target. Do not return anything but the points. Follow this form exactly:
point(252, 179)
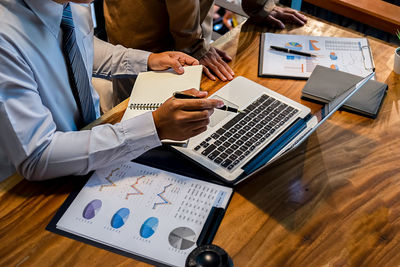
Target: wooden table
point(336, 202)
point(375, 13)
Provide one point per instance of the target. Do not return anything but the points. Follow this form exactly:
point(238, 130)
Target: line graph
point(138, 192)
point(108, 178)
point(164, 200)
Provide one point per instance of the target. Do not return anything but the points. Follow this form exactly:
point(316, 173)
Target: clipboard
point(205, 236)
point(351, 55)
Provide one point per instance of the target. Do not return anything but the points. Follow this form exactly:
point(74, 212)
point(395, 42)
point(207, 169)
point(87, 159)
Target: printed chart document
point(350, 55)
point(144, 211)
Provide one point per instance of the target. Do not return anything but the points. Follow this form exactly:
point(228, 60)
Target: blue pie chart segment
point(149, 227)
point(119, 218)
point(91, 209)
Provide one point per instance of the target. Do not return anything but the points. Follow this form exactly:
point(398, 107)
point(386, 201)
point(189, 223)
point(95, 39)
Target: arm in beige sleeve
point(258, 9)
point(185, 26)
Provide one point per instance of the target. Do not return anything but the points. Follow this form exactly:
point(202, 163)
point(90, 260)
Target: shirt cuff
point(140, 133)
point(137, 60)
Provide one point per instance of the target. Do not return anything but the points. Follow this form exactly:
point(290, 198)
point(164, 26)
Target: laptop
point(236, 145)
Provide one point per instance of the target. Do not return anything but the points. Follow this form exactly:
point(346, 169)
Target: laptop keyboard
point(230, 144)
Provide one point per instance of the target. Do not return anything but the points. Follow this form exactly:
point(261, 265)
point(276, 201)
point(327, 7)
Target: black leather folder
point(325, 84)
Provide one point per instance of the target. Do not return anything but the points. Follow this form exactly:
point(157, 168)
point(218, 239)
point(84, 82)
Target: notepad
point(153, 88)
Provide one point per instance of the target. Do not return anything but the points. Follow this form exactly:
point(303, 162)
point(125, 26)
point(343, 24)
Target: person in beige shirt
point(184, 25)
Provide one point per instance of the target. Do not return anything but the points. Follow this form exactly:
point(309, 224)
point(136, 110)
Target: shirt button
point(146, 148)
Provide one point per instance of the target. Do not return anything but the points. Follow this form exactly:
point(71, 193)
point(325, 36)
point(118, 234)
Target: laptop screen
point(328, 109)
point(321, 116)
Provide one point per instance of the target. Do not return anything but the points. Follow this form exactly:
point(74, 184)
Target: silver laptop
point(236, 146)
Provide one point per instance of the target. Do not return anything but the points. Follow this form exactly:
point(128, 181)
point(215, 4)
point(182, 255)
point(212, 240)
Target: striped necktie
point(77, 72)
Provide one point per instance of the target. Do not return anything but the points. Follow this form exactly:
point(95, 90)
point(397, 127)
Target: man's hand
point(175, 60)
point(214, 60)
point(180, 119)
point(280, 15)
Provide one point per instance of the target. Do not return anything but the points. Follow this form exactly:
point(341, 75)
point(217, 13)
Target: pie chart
point(294, 46)
point(91, 209)
point(149, 227)
point(182, 238)
point(119, 218)
point(333, 56)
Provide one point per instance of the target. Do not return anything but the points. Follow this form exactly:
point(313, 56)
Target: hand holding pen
point(182, 95)
point(180, 119)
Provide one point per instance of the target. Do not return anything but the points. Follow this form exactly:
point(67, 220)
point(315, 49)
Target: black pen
point(290, 51)
point(181, 95)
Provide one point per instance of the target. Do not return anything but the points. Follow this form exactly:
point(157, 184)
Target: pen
point(286, 50)
point(181, 95)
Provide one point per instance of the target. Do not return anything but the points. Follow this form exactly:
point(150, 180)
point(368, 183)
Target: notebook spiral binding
point(148, 106)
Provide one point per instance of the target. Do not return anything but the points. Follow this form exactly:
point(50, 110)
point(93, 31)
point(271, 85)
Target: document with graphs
point(144, 211)
point(296, 56)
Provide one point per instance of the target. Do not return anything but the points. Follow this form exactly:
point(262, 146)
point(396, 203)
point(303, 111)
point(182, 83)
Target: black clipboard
point(206, 235)
point(325, 83)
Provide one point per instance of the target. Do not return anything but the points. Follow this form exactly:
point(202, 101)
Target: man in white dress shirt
point(40, 113)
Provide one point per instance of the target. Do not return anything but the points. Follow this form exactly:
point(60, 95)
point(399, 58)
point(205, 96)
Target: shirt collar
point(49, 12)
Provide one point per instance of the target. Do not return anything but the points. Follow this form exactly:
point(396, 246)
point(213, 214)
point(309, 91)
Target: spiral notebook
point(153, 88)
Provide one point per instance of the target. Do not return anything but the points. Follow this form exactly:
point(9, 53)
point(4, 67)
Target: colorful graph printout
point(350, 55)
point(144, 211)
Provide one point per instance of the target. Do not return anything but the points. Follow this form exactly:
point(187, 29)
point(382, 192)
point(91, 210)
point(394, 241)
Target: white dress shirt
point(38, 113)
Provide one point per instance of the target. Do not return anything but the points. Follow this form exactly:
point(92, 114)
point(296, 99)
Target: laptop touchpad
point(220, 115)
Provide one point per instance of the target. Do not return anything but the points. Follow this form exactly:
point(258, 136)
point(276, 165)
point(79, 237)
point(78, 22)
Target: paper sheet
point(144, 211)
point(350, 55)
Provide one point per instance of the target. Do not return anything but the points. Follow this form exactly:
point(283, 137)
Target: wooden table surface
point(335, 202)
point(379, 14)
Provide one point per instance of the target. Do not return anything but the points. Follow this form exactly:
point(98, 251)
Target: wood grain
point(335, 201)
point(376, 13)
